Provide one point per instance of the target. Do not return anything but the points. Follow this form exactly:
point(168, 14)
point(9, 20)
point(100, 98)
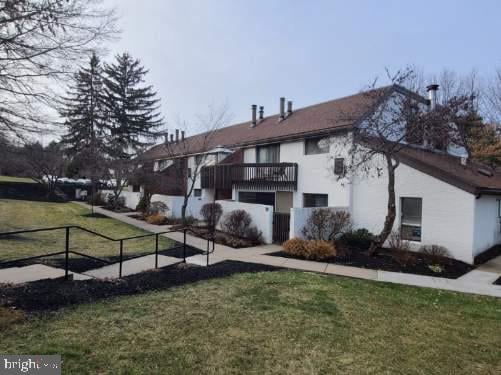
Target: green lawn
point(276, 323)
point(18, 214)
point(16, 179)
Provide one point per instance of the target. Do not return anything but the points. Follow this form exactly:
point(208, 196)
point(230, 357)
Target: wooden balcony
point(258, 176)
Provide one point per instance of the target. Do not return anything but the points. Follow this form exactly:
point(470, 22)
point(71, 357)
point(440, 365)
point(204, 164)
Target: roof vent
point(289, 108)
point(253, 109)
point(261, 113)
point(282, 109)
point(432, 94)
point(485, 172)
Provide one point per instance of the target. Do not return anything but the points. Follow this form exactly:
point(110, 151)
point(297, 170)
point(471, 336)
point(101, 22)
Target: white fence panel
point(262, 215)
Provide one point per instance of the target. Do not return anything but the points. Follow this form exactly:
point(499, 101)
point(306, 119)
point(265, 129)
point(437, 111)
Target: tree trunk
point(391, 212)
point(183, 210)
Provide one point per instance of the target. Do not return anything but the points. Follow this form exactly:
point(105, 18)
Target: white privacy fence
point(262, 216)
point(299, 216)
point(175, 204)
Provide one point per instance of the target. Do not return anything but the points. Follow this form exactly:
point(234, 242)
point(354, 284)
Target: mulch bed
point(51, 295)
point(487, 255)
point(385, 262)
point(81, 264)
point(120, 210)
point(497, 282)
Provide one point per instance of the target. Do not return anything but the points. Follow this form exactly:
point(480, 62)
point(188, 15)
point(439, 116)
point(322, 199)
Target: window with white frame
point(315, 200)
point(268, 154)
point(411, 218)
point(317, 145)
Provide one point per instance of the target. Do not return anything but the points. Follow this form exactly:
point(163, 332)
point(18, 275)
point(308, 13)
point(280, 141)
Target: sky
point(235, 53)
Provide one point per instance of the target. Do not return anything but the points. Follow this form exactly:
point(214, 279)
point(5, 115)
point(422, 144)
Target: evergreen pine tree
point(132, 107)
point(84, 112)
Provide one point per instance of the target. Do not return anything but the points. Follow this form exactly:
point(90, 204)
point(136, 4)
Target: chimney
point(166, 137)
point(177, 135)
point(253, 122)
point(171, 138)
point(289, 107)
point(182, 135)
point(282, 108)
point(261, 113)
point(432, 95)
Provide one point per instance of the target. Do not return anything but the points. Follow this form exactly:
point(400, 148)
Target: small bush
point(435, 254)
point(395, 242)
point(211, 212)
point(360, 238)
point(319, 250)
point(326, 224)
point(156, 219)
point(157, 207)
point(314, 250)
point(401, 250)
point(238, 223)
point(294, 247)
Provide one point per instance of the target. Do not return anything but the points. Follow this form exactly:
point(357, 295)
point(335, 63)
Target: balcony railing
point(257, 176)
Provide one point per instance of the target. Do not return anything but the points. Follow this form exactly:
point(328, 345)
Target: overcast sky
point(237, 52)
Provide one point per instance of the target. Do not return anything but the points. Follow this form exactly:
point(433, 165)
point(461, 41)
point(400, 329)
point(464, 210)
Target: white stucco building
point(278, 167)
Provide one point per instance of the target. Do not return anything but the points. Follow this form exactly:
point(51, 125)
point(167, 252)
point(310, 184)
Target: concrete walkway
point(34, 272)
point(132, 266)
point(478, 281)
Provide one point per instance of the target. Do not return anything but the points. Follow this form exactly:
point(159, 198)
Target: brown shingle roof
point(448, 168)
point(324, 117)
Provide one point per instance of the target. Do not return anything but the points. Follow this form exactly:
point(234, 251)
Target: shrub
point(238, 224)
point(295, 247)
point(395, 242)
point(211, 212)
point(401, 250)
point(254, 236)
point(319, 250)
point(326, 224)
point(157, 207)
point(156, 219)
point(314, 250)
point(435, 254)
point(360, 238)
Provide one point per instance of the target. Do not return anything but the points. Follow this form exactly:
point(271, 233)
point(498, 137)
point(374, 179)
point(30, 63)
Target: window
point(189, 172)
point(197, 192)
point(315, 200)
point(339, 166)
point(162, 164)
point(411, 217)
point(268, 154)
point(314, 146)
point(257, 198)
point(136, 188)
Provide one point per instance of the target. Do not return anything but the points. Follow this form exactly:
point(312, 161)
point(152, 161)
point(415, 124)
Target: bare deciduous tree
point(46, 164)
point(40, 41)
point(190, 154)
point(399, 119)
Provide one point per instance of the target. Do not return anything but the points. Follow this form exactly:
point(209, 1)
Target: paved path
point(478, 281)
point(34, 272)
point(132, 266)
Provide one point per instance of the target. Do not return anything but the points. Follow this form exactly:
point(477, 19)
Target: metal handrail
point(120, 240)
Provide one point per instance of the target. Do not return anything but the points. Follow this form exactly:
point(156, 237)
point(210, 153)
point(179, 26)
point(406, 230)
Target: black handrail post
point(208, 247)
point(156, 250)
point(121, 258)
point(67, 253)
point(184, 245)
